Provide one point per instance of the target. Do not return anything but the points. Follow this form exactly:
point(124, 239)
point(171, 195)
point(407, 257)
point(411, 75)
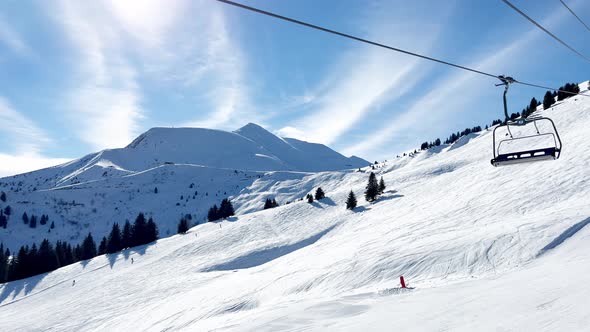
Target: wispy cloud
point(10, 38)
point(364, 78)
point(450, 95)
point(27, 141)
point(105, 101)
point(23, 135)
point(218, 61)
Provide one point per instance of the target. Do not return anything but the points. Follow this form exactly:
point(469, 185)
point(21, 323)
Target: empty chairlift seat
point(525, 140)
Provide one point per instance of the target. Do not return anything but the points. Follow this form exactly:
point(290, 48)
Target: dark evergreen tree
point(77, 253)
point(47, 258)
point(372, 189)
point(139, 231)
point(60, 254)
point(126, 237)
point(309, 198)
point(43, 219)
point(226, 209)
point(3, 220)
point(548, 100)
point(3, 196)
point(7, 210)
point(102, 247)
point(437, 142)
point(532, 107)
point(33, 221)
point(183, 226)
point(381, 186)
point(25, 218)
point(155, 190)
point(52, 225)
point(69, 255)
point(3, 265)
point(113, 244)
point(351, 201)
point(213, 213)
point(151, 231)
point(319, 194)
point(268, 204)
point(88, 248)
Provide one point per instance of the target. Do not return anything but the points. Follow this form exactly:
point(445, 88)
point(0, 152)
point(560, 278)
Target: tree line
point(549, 99)
point(45, 257)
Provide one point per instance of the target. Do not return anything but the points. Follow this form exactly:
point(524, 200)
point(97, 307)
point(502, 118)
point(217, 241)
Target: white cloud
point(11, 39)
point(23, 135)
point(25, 162)
point(450, 95)
point(105, 102)
point(366, 77)
point(26, 139)
point(292, 132)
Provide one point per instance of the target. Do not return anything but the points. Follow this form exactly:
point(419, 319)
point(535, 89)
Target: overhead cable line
point(571, 11)
point(366, 41)
point(546, 31)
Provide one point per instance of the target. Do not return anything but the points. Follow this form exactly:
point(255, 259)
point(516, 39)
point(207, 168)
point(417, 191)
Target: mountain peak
point(252, 128)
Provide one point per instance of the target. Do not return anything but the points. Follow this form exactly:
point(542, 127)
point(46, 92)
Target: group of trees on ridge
point(225, 210)
point(549, 99)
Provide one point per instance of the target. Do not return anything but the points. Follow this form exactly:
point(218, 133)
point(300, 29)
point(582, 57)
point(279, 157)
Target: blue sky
point(80, 76)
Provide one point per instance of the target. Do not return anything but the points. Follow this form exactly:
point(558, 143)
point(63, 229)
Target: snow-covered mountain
point(486, 248)
point(192, 169)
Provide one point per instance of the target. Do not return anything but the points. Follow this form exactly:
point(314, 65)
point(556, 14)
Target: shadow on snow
point(264, 256)
point(564, 236)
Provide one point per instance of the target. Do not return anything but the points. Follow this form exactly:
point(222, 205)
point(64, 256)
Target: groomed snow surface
point(487, 249)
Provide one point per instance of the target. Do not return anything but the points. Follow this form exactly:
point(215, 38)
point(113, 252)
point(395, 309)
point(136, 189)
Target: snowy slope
point(486, 248)
point(192, 168)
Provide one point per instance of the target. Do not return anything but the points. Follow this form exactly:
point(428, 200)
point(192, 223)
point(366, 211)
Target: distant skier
point(73, 282)
point(131, 260)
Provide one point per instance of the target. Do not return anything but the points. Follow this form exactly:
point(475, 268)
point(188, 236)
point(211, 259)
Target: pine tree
point(213, 213)
point(548, 100)
point(3, 196)
point(7, 210)
point(25, 218)
point(3, 265)
point(155, 190)
point(372, 188)
point(113, 244)
point(267, 204)
point(47, 258)
point(319, 194)
point(139, 231)
point(126, 237)
point(532, 107)
point(183, 226)
point(52, 225)
point(3, 220)
point(274, 203)
point(226, 209)
point(151, 231)
point(309, 198)
point(33, 221)
point(381, 186)
point(102, 247)
point(351, 201)
point(88, 249)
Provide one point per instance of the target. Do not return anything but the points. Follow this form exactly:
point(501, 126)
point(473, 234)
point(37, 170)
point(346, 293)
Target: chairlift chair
point(525, 139)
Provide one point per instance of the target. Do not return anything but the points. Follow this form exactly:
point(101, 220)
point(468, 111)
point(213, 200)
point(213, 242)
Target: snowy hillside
point(192, 169)
point(486, 248)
